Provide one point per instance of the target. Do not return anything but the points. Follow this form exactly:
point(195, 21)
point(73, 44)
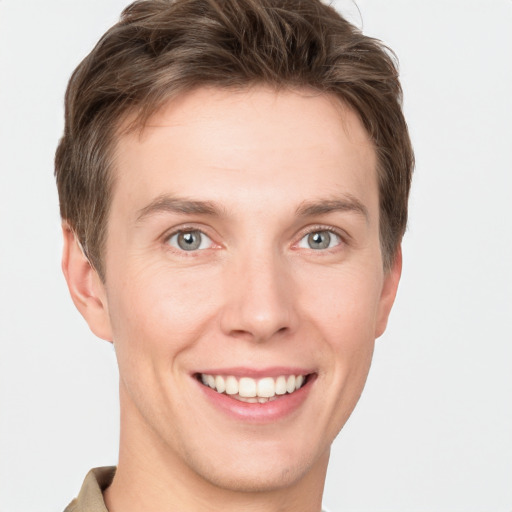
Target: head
point(236, 173)
point(161, 49)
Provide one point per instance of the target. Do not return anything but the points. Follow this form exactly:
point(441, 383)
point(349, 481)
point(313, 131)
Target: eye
point(191, 240)
point(318, 240)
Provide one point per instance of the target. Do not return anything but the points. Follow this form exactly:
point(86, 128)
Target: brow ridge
point(180, 205)
point(347, 203)
point(185, 206)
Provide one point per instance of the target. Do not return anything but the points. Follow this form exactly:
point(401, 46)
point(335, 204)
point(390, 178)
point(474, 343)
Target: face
point(244, 282)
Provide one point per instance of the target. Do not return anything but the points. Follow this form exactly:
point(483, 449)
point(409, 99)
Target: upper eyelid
point(180, 231)
point(345, 237)
point(168, 233)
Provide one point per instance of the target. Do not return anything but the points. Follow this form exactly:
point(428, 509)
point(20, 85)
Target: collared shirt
point(90, 498)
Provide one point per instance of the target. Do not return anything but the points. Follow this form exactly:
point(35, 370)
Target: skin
point(255, 295)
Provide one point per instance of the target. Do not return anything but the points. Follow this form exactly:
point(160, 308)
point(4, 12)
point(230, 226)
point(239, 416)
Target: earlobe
point(85, 286)
point(388, 294)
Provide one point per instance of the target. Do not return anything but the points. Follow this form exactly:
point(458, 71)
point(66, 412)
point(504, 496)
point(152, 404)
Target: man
point(233, 181)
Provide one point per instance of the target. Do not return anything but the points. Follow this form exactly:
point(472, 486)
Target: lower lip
point(281, 407)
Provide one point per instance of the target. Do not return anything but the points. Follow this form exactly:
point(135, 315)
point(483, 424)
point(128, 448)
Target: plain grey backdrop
point(433, 430)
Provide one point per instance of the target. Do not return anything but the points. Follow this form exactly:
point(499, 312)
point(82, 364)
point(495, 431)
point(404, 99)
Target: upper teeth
point(247, 387)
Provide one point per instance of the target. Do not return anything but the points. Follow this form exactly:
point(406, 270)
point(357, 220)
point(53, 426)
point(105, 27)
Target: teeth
point(280, 385)
point(247, 387)
point(266, 387)
point(249, 400)
point(220, 384)
point(231, 386)
point(251, 390)
point(290, 384)
point(210, 381)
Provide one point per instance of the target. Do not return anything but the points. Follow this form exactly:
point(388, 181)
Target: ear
point(85, 286)
point(388, 294)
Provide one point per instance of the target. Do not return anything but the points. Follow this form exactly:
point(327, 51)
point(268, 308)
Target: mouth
point(251, 390)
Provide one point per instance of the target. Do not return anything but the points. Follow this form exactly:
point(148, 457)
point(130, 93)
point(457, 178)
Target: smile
point(247, 389)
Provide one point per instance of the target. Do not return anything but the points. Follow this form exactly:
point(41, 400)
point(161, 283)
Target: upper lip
point(257, 373)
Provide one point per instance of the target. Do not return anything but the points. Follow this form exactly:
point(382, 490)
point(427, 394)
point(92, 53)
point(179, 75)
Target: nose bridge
point(259, 296)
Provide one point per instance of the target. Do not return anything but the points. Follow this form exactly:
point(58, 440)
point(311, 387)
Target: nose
point(259, 301)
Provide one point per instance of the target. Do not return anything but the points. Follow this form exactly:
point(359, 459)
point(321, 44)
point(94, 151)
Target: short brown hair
point(161, 48)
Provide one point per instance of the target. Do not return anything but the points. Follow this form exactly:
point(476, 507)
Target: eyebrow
point(347, 203)
point(172, 204)
point(179, 205)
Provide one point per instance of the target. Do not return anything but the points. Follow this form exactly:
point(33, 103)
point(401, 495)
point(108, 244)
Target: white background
point(433, 430)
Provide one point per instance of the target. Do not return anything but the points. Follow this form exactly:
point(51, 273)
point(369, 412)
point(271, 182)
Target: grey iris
point(319, 240)
point(189, 240)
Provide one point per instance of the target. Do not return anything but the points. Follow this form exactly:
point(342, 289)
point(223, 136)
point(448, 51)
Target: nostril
point(240, 333)
point(257, 334)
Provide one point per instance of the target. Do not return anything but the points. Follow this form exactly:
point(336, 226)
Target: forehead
point(255, 141)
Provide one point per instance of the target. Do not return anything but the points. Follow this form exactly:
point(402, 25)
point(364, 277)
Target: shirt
point(90, 498)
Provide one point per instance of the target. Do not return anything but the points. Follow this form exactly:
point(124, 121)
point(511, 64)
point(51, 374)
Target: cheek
point(344, 306)
point(159, 311)
point(157, 320)
point(343, 319)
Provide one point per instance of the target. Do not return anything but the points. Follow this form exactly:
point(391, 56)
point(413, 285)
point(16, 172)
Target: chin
point(259, 471)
